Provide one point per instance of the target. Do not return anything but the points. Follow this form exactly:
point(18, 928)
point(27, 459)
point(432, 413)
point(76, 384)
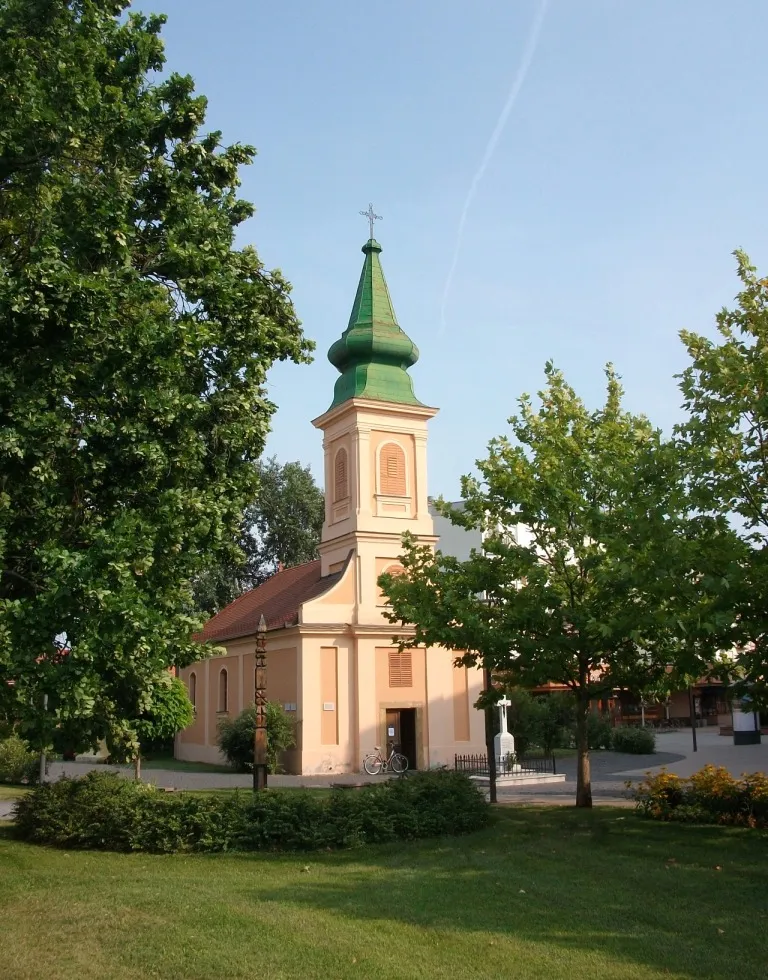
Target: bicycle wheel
point(398, 762)
point(372, 764)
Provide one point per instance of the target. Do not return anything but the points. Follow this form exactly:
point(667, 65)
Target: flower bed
point(104, 812)
point(711, 795)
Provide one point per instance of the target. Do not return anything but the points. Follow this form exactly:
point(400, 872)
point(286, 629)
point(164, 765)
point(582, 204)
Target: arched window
point(193, 689)
point(340, 476)
point(394, 570)
point(392, 470)
point(223, 692)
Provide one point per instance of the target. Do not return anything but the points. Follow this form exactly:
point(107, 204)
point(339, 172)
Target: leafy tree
point(280, 527)
point(167, 711)
point(726, 394)
point(236, 737)
point(133, 357)
point(535, 721)
point(575, 579)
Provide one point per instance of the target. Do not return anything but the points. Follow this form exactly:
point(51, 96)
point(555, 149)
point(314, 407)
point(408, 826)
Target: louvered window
point(400, 668)
point(340, 476)
point(392, 470)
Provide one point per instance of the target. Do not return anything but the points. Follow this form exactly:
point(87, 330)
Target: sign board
point(329, 706)
point(391, 731)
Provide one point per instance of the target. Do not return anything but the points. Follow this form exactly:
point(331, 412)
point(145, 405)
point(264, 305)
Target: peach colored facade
point(336, 668)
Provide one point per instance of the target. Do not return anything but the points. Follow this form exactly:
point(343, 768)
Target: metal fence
point(477, 765)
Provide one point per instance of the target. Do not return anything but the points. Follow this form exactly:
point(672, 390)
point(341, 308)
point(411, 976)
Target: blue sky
point(631, 165)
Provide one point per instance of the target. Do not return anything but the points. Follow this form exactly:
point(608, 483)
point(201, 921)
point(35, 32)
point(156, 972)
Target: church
point(331, 660)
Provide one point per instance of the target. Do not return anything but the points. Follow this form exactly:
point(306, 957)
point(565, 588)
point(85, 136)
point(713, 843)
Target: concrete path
point(610, 771)
point(172, 779)
point(714, 749)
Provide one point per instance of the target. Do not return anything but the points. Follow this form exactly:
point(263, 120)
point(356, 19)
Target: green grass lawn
point(8, 792)
point(311, 791)
point(544, 893)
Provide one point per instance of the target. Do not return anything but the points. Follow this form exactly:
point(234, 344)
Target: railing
point(477, 765)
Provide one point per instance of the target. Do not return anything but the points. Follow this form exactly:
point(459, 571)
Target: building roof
point(278, 600)
point(374, 353)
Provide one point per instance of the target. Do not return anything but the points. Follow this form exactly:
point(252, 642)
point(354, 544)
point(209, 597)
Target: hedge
point(17, 763)
point(105, 812)
point(711, 795)
point(634, 741)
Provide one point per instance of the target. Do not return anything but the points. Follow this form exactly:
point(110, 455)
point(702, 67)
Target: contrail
point(522, 71)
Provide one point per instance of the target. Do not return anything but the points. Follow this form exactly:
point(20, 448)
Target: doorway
point(401, 729)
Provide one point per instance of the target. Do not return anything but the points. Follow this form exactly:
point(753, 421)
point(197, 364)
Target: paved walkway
point(610, 771)
point(173, 779)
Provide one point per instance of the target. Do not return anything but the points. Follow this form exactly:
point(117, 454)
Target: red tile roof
point(278, 600)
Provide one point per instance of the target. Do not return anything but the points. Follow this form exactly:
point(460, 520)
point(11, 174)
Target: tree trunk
point(137, 767)
point(583, 776)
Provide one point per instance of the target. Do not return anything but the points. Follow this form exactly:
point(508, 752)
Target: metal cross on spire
point(371, 216)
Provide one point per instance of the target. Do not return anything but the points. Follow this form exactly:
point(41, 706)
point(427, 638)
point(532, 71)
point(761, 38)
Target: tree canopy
point(281, 526)
point(133, 355)
point(726, 434)
point(575, 584)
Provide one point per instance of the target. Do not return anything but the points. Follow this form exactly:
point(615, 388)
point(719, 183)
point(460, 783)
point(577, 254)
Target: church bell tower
point(375, 442)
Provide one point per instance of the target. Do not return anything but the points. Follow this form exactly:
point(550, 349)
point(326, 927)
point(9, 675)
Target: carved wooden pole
point(260, 738)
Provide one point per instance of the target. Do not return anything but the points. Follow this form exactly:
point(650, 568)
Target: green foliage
point(599, 731)
point(523, 716)
point(581, 509)
point(545, 721)
point(636, 741)
point(103, 811)
point(548, 722)
point(281, 526)
point(168, 711)
point(725, 436)
point(17, 764)
point(557, 723)
point(711, 795)
point(134, 351)
point(236, 737)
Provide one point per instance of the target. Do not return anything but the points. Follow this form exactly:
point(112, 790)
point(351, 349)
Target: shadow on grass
point(691, 901)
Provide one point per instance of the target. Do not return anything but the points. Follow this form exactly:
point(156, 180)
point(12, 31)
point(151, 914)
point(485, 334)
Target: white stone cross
point(502, 705)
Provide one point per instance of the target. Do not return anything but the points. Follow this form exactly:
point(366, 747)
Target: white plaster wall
point(197, 752)
point(455, 541)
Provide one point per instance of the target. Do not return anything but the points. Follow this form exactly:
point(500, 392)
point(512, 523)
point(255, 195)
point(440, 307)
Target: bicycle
point(374, 762)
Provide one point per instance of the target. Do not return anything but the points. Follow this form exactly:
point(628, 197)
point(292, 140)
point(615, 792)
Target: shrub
point(599, 731)
point(711, 795)
point(523, 716)
point(556, 722)
point(540, 721)
point(236, 737)
point(636, 741)
point(17, 763)
point(548, 722)
point(103, 811)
